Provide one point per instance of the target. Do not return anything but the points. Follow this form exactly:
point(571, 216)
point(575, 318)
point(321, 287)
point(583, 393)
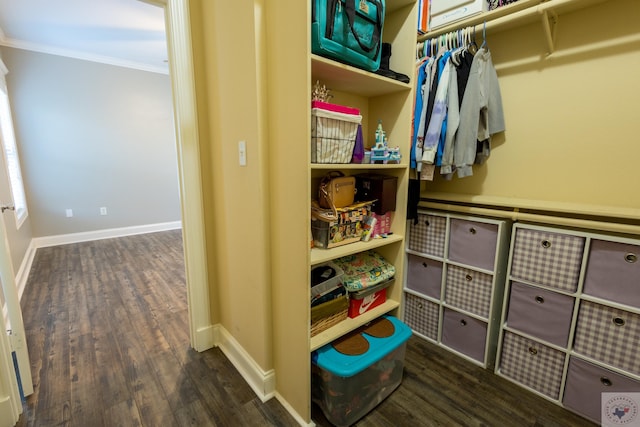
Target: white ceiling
point(129, 33)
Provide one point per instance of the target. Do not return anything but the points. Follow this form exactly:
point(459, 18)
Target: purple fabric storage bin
point(424, 275)
point(464, 334)
point(468, 290)
point(421, 315)
point(541, 313)
point(613, 272)
point(532, 364)
point(609, 335)
point(586, 382)
point(547, 258)
point(427, 235)
point(473, 243)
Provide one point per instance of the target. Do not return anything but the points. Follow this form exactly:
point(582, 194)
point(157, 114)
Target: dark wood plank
point(123, 414)
point(441, 389)
point(108, 335)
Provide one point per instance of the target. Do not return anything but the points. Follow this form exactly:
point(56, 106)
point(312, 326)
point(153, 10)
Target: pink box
point(335, 107)
point(383, 224)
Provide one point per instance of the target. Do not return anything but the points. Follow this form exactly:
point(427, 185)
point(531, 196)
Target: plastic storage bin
point(347, 387)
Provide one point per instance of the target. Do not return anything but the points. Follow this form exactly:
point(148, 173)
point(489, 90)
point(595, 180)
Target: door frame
point(178, 31)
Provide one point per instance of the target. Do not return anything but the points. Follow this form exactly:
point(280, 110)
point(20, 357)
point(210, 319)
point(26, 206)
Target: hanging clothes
point(457, 108)
point(453, 118)
point(481, 113)
point(421, 75)
point(438, 115)
point(424, 92)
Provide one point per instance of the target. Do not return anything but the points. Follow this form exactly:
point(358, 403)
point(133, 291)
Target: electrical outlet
point(69, 213)
point(103, 211)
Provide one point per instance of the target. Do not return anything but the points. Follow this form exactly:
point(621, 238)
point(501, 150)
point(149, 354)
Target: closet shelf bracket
point(549, 24)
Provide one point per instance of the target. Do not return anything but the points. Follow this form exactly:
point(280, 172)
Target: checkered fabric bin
point(532, 364)
point(609, 335)
point(546, 258)
point(469, 290)
point(421, 315)
point(427, 234)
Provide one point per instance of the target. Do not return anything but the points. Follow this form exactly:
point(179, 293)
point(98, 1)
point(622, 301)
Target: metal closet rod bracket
point(549, 25)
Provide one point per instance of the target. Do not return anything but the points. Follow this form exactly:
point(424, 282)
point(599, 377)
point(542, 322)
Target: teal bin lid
point(329, 359)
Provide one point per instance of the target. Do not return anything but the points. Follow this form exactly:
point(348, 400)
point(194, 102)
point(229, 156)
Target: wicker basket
point(333, 136)
point(328, 314)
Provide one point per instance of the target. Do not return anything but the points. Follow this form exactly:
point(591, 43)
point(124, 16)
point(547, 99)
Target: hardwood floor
point(441, 389)
point(107, 330)
point(108, 335)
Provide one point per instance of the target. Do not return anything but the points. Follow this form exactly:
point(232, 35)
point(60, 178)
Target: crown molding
point(52, 50)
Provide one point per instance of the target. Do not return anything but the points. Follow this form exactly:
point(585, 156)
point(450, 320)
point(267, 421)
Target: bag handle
point(330, 16)
point(323, 214)
point(329, 176)
point(350, 6)
point(326, 216)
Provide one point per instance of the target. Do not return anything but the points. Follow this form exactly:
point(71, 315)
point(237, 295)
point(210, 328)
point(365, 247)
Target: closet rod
point(493, 21)
point(515, 215)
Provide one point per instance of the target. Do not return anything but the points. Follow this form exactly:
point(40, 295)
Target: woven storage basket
point(333, 136)
point(328, 314)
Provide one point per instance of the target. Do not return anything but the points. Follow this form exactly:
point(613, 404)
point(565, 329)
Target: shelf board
point(513, 15)
point(480, 18)
point(343, 166)
point(323, 255)
point(345, 78)
point(349, 324)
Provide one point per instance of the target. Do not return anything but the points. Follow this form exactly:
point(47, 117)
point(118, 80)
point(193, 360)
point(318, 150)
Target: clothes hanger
point(472, 47)
point(484, 35)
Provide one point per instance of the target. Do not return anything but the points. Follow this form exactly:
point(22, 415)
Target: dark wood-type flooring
point(108, 335)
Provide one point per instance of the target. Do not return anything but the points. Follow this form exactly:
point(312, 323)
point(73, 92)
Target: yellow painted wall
point(288, 83)
point(570, 143)
point(229, 102)
point(572, 118)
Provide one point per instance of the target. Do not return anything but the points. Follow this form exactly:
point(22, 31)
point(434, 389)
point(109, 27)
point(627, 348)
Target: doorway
point(185, 117)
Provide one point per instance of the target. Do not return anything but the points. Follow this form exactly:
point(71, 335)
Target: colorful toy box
point(346, 387)
point(347, 228)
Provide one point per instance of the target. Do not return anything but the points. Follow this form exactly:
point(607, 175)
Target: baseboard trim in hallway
point(86, 236)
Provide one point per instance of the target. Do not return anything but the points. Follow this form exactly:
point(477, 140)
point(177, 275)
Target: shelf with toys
point(294, 179)
point(379, 159)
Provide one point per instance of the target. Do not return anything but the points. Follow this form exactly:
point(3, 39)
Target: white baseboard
point(206, 338)
point(262, 382)
point(63, 239)
point(293, 412)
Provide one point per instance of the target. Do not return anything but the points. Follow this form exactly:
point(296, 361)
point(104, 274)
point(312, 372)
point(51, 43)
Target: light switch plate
point(242, 153)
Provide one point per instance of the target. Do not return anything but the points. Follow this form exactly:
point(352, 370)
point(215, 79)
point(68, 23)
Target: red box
point(362, 301)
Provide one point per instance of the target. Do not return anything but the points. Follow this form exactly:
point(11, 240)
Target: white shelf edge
point(318, 256)
point(366, 166)
point(344, 77)
point(350, 324)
